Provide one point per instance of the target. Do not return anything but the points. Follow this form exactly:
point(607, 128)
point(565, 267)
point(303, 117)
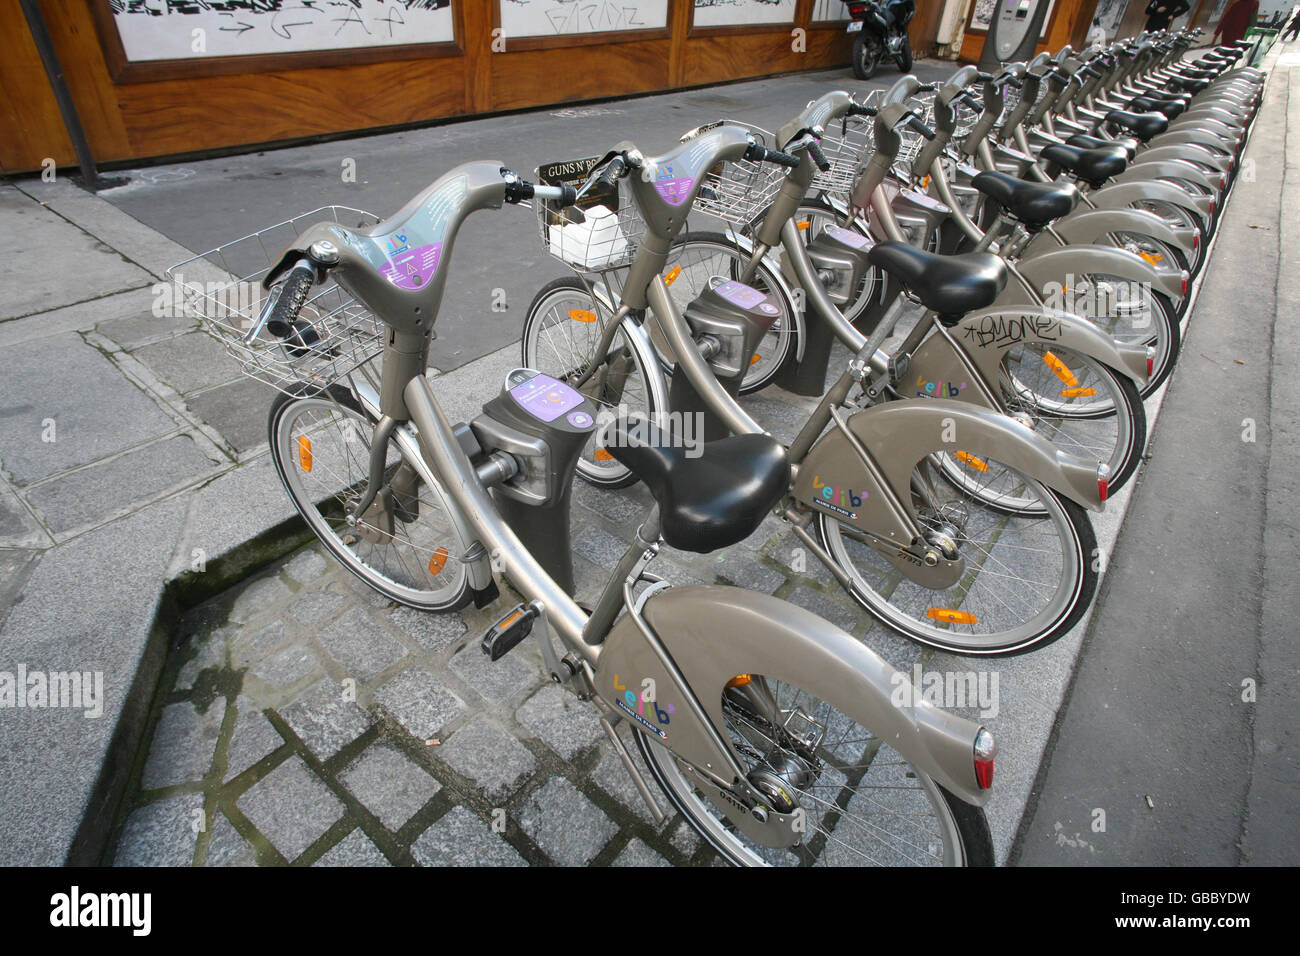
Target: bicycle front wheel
point(406, 545)
point(561, 334)
point(698, 257)
point(864, 804)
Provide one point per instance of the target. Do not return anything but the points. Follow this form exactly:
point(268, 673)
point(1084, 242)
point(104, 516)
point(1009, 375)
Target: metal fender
point(1215, 143)
point(1093, 226)
point(987, 334)
point(1119, 195)
point(1191, 152)
point(712, 634)
point(912, 430)
point(1208, 126)
point(1139, 171)
point(1057, 265)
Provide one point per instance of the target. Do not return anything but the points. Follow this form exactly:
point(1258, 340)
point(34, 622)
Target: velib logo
point(837, 498)
point(644, 705)
point(133, 910)
point(938, 389)
point(40, 689)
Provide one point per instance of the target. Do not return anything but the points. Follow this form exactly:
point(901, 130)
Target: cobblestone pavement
point(305, 719)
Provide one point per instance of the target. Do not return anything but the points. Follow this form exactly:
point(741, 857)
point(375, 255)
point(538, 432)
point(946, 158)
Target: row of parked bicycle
point(1047, 221)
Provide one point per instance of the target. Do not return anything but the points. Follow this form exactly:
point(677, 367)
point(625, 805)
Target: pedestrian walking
point(1161, 13)
point(1239, 18)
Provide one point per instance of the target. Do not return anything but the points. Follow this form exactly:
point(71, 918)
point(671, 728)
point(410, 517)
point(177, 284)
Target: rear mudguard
point(711, 634)
point(1142, 172)
point(1226, 136)
point(901, 433)
point(1200, 137)
point(1048, 270)
point(1191, 152)
point(986, 335)
point(1218, 114)
point(1121, 195)
point(1095, 226)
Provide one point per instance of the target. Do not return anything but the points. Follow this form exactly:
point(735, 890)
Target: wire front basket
point(595, 238)
point(846, 145)
point(222, 288)
point(739, 191)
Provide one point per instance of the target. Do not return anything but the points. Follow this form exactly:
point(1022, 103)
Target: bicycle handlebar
point(292, 296)
point(761, 154)
point(917, 125)
point(818, 157)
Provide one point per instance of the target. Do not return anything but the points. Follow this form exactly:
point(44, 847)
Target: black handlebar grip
point(761, 154)
point(818, 157)
point(568, 196)
point(293, 293)
point(780, 158)
point(858, 110)
point(917, 125)
point(613, 170)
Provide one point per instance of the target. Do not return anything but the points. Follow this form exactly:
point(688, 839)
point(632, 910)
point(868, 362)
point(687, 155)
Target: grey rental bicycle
point(779, 737)
point(953, 524)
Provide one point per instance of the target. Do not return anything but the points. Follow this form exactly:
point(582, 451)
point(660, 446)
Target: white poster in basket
point(594, 243)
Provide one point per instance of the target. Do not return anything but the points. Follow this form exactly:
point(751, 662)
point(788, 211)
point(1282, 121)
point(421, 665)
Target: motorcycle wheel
point(904, 56)
point(866, 55)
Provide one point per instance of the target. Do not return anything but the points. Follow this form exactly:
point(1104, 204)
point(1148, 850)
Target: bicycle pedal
point(503, 636)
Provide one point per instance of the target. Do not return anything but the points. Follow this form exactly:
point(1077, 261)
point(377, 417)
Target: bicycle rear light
point(985, 749)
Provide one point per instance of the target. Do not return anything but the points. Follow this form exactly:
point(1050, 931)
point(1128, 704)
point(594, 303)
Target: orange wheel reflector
point(304, 452)
point(805, 224)
point(740, 680)
point(672, 275)
point(1152, 257)
point(438, 562)
point(1060, 369)
point(925, 183)
point(602, 454)
point(972, 461)
point(756, 359)
point(582, 315)
point(949, 616)
point(1078, 392)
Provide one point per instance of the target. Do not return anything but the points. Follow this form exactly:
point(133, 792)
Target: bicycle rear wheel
point(1078, 404)
point(864, 804)
point(406, 545)
point(1028, 573)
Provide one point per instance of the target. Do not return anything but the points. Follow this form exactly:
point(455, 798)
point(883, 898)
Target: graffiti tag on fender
point(1003, 331)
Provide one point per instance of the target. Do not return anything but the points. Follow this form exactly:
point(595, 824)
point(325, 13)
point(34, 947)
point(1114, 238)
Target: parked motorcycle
point(881, 28)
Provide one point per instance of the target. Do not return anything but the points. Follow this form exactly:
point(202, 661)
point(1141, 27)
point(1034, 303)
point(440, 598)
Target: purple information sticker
point(414, 268)
point(544, 398)
point(848, 237)
point(675, 191)
point(737, 293)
